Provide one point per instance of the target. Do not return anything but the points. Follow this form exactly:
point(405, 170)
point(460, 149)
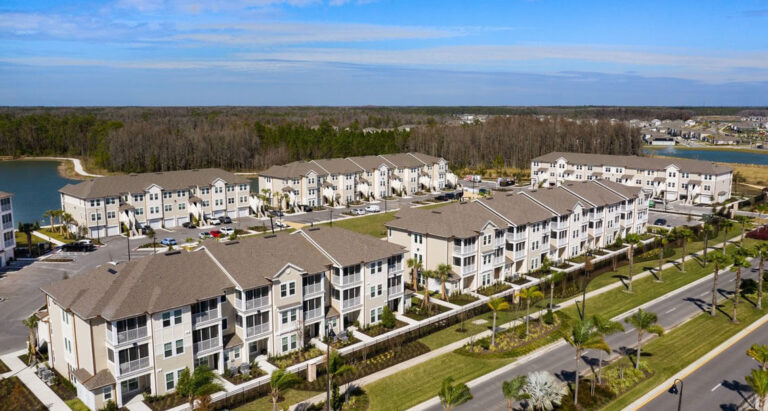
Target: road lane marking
point(670, 310)
point(704, 293)
point(715, 387)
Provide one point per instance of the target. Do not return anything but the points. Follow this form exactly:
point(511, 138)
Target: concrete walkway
point(29, 378)
point(47, 238)
point(438, 301)
point(407, 320)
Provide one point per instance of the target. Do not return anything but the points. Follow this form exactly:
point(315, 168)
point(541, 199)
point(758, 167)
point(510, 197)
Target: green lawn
point(684, 345)
point(77, 405)
point(21, 239)
point(371, 224)
point(3, 368)
point(290, 397)
point(54, 234)
point(438, 205)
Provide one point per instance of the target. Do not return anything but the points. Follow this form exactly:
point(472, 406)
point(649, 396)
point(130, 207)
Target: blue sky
point(358, 52)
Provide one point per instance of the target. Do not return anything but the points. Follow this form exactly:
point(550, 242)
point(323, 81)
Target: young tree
point(664, 240)
point(529, 294)
point(281, 380)
point(426, 275)
point(337, 367)
point(415, 266)
point(644, 322)
point(451, 394)
point(720, 261)
point(31, 323)
point(604, 327)
point(513, 390)
point(388, 319)
point(444, 273)
point(758, 381)
point(632, 239)
point(546, 271)
point(584, 336)
point(739, 261)
point(759, 353)
point(684, 234)
point(197, 385)
point(761, 250)
point(152, 236)
point(496, 305)
point(707, 229)
point(725, 225)
point(27, 229)
point(743, 221)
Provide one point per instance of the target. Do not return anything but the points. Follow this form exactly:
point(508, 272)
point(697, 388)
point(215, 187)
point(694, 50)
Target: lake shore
point(69, 167)
point(740, 149)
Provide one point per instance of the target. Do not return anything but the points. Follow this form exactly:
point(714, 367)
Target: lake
point(35, 185)
point(722, 156)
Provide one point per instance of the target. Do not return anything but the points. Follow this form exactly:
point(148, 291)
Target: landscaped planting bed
point(492, 289)
point(284, 361)
point(461, 298)
point(3, 368)
point(164, 402)
point(514, 342)
point(14, 395)
point(416, 312)
point(255, 372)
point(521, 281)
point(378, 329)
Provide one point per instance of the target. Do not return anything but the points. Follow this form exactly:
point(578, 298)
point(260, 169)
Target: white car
point(215, 221)
point(280, 224)
point(227, 230)
point(358, 211)
point(372, 209)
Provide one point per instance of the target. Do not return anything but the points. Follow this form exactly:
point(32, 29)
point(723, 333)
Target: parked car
point(280, 224)
point(79, 246)
point(660, 221)
point(215, 221)
point(168, 241)
point(215, 233)
point(146, 229)
point(276, 213)
point(441, 197)
point(372, 209)
point(204, 235)
point(189, 225)
point(307, 208)
point(358, 211)
point(227, 230)
point(225, 220)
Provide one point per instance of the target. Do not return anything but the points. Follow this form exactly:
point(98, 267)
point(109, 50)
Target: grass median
point(372, 225)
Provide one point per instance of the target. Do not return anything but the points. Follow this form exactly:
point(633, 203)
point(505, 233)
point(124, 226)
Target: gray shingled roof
point(594, 193)
point(403, 160)
point(92, 382)
point(636, 162)
point(149, 285)
point(294, 169)
point(338, 165)
point(556, 198)
point(623, 189)
point(369, 162)
point(136, 183)
point(517, 208)
point(348, 247)
point(455, 220)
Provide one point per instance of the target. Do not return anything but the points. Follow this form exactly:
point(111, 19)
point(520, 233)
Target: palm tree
point(444, 273)
point(761, 250)
point(684, 234)
point(152, 236)
point(720, 260)
point(513, 390)
point(664, 240)
point(66, 220)
point(529, 294)
point(759, 352)
point(337, 367)
point(743, 221)
point(739, 261)
point(725, 225)
point(426, 275)
point(496, 305)
point(644, 322)
point(707, 229)
point(758, 381)
point(280, 381)
point(584, 336)
point(415, 266)
point(452, 395)
point(546, 270)
point(632, 239)
point(50, 214)
point(197, 385)
point(545, 391)
point(27, 229)
point(604, 327)
point(31, 323)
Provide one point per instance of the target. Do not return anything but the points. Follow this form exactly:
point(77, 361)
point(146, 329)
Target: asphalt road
point(560, 361)
point(718, 384)
point(673, 220)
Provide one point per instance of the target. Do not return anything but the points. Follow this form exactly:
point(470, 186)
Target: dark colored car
point(276, 213)
point(146, 229)
point(189, 225)
point(441, 197)
point(78, 247)
point(660, 221)
point(225, 220)
point(307, 208)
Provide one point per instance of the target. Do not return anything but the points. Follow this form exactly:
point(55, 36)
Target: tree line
point(137, 139)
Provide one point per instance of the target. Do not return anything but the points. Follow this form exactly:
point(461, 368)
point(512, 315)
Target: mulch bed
point(14, 395)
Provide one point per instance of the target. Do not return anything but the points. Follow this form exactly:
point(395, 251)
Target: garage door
point(244, 212)
point(170, 222)
point(113, 230)
point(232, 214)
point(182, 220)
point(155, 224)
point(219, 213)
point(96, 233)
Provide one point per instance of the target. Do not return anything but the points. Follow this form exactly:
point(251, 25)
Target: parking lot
point(672, 220)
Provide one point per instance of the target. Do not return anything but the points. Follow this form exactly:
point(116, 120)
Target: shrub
point(387, 318)
point(548, 317)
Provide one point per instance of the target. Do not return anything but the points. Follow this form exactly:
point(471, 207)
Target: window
point(373, 291)
point(179, 347)
point(170, 381)
point(288, 316)
point(182, 206)
point(64, 317)
point(224, 324)
point(287, 289)
point(205, 190)
point(67, 345)
point(289, 343)
point(180, 193)
point(231, 200)
point(168, 350)
point(167, 194)
point(95, 216)
point(140, 211)
point(110, 214)
point(168, 208)
point(418, 239)
point(107, 393)
point(110, 355)
point(95, 203)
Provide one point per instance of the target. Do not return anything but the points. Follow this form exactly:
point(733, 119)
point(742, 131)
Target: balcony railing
point(514, 237)
point(132, 334)
point(7, 225)
point(252, 303)
point(135, 365)
point(205, 316)
point(395, 267)
point(395, 290)
point(257, 329)
point(313, 314)
point(519, 255)
point(468, 269)
point(596, 216)
point(352, 302)
point(559, 225)
point(498, 260)
point(313, 289)
point(463, 250)
point(597, 230)
point(346, 279)
point(9, 243)
point(5, 207)
point(206, 345)
point(559, 242)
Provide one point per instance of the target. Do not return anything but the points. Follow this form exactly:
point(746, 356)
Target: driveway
point(673, 220)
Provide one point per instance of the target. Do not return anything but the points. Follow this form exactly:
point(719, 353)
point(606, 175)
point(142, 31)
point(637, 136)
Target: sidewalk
point(35, 385)
point(47, 238)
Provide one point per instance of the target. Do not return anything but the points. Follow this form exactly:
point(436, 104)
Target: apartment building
point(494, 238)
point(666, 179)
point(124, 329)
point(343, 180)
point(163, 199)
point(6, 228)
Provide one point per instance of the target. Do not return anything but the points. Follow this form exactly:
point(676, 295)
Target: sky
point(383, 52)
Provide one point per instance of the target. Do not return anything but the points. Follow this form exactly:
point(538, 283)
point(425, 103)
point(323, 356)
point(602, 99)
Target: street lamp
point(674, 390)
point(330, 336)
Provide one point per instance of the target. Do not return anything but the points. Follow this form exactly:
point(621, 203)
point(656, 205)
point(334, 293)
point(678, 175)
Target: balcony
point(207, 345)
point(351, 303)
point(313, 314)
point(347, 279)
point(597, 230)
point(9, 243)
point(559, 242)
point(131, 335)
point(394, 290)
point(253, 303)
point(395, 268)
point(596, 215)
point(313, 289)
point(519, 255)
point(498, 241)
point(257, 330)
point(7, 225)
point(464, 250)
point(559, 225)
point(498, 260)
point(467, 269)
point(133, 366)
point(515, 237)
point(205, 316)
point(5, 207)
